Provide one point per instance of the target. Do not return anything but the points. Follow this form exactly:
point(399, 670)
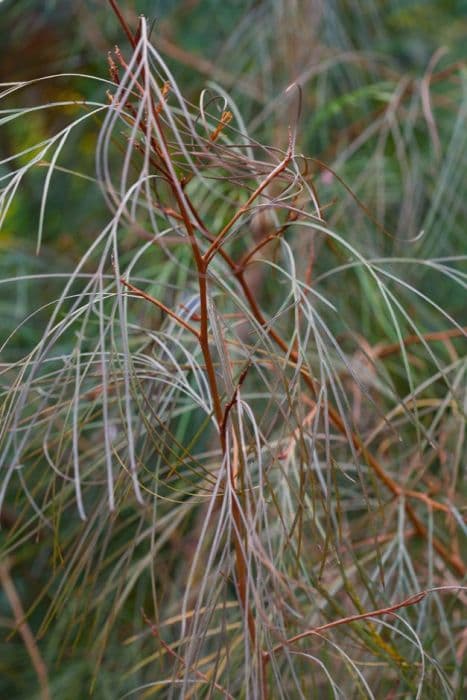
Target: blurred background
point(383, 103)
point(363, 66)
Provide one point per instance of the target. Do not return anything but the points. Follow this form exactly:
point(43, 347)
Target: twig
point(180, 659)
point(139, 293)
point(412, 600)
point(230, 404)
point(24, 630)
point(385, 350)
point(452, 559)
point(123, 22)
point(267, 181)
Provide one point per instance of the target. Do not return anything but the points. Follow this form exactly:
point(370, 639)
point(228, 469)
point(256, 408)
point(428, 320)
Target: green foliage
point(233, 376)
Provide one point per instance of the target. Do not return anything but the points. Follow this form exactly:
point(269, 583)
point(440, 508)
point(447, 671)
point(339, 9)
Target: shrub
point(234, 453)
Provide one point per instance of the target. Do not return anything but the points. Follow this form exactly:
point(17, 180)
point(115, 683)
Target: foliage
point(233, 429)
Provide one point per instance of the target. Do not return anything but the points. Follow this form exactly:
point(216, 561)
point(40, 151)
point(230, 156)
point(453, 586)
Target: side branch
point(413, 600)
point(139, 293)
point(215, 245)
point(24, 630)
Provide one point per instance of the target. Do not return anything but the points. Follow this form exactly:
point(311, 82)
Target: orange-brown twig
point(385, 350)
point(412, 600)
point(199, 674)
point(139, 293)
point(24, 630)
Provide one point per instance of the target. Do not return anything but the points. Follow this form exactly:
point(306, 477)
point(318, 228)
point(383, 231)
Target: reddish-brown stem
point(139, 293)
point(251, 253)
point(216, 244)
point(230, 403)
point(385, 350)
point(196, 229)
point(201, 263)
point(452, 559)
point(123, 22)
point(413, 600)
point(24, 630)
point(204, 343)
point(181, 660)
